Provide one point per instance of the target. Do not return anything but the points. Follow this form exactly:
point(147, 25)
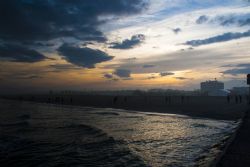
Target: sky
point(122, 44)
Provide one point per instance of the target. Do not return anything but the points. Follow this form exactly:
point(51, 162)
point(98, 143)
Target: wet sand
point(238, 152)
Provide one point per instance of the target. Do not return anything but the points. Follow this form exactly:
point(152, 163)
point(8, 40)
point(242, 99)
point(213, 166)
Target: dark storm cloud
point(163, 74)
point(176, 30)
point(148, 66)
point(238, 69)
point(34, 23)
point(83, 57)
point(17, 53)
point(123, 73)
point(33, 20)
point(42, 44)
point(220, 38)
point(129, 43)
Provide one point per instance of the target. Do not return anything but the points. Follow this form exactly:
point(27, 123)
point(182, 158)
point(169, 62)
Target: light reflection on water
point(107, 137)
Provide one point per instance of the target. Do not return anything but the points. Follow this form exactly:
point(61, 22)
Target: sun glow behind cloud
point(145, 43)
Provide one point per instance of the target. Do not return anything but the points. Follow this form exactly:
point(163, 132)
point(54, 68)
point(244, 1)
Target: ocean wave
point(82, 145)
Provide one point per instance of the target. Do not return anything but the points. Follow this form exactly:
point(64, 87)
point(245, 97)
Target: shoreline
point(208, 113)
point(195, 106)
point(237, 152)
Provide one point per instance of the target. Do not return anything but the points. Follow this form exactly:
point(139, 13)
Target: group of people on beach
point(236, 99)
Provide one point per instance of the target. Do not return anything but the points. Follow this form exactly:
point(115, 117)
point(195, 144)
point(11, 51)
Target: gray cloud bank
point(129, 43)
point(220, 38)
point(163, 74)
point(84, 57)
point(18, 53)
point(225, 20)
point(30, 23)
point(238, 69)
point(49, 19)
point(123, 73)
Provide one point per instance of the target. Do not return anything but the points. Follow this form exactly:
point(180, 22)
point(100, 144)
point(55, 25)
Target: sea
point(49, 135)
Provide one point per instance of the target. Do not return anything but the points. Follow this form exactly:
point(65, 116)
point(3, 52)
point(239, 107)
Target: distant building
point(214, 88)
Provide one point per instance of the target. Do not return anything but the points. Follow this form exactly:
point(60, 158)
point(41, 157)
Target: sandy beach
point(195, 106)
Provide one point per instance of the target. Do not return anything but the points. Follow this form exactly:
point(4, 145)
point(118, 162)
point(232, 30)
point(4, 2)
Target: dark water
point(48, 135)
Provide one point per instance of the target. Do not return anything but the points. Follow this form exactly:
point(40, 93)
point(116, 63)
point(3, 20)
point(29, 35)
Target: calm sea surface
point(48, 135)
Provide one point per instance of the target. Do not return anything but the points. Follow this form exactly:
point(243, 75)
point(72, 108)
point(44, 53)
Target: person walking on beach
point(166, 99)
point(115, 100)
point(228, 99)
point(182, 99)
point(62, 100)
point(236, 99)
point(240, 98)
point(125, 99)
point(71, 100)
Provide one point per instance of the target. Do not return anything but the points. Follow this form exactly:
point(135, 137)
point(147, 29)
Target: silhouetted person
point(71, 100)
point(125, 99)
point(236, 99)
point(188, 98)
point(228, 99)
point(49, 100)
point(57, 100)
point(115, 100)
point(182, 99)
point(166, 99)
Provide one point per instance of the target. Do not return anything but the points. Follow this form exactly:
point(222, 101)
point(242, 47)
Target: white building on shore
point(214, 88)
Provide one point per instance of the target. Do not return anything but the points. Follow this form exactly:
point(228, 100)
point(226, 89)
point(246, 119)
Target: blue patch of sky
point(169, 10)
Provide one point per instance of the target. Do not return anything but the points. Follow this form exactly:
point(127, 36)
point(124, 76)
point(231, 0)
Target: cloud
point(181, 78)
point(220, 38)
point(176, 30)
point(63, 67)
point(123, 73)
point(18, 53)
point(238, 19)
point(245, 22)
point(45, 20)
point(163, 74)
point(129, 43)
point(83, 57)
point(108, 76)
point(238, 69)
point(151, 77)
point(35, 23)
point(29, 77)
point(202, 19)
point(113, 78)
point(148, 66)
